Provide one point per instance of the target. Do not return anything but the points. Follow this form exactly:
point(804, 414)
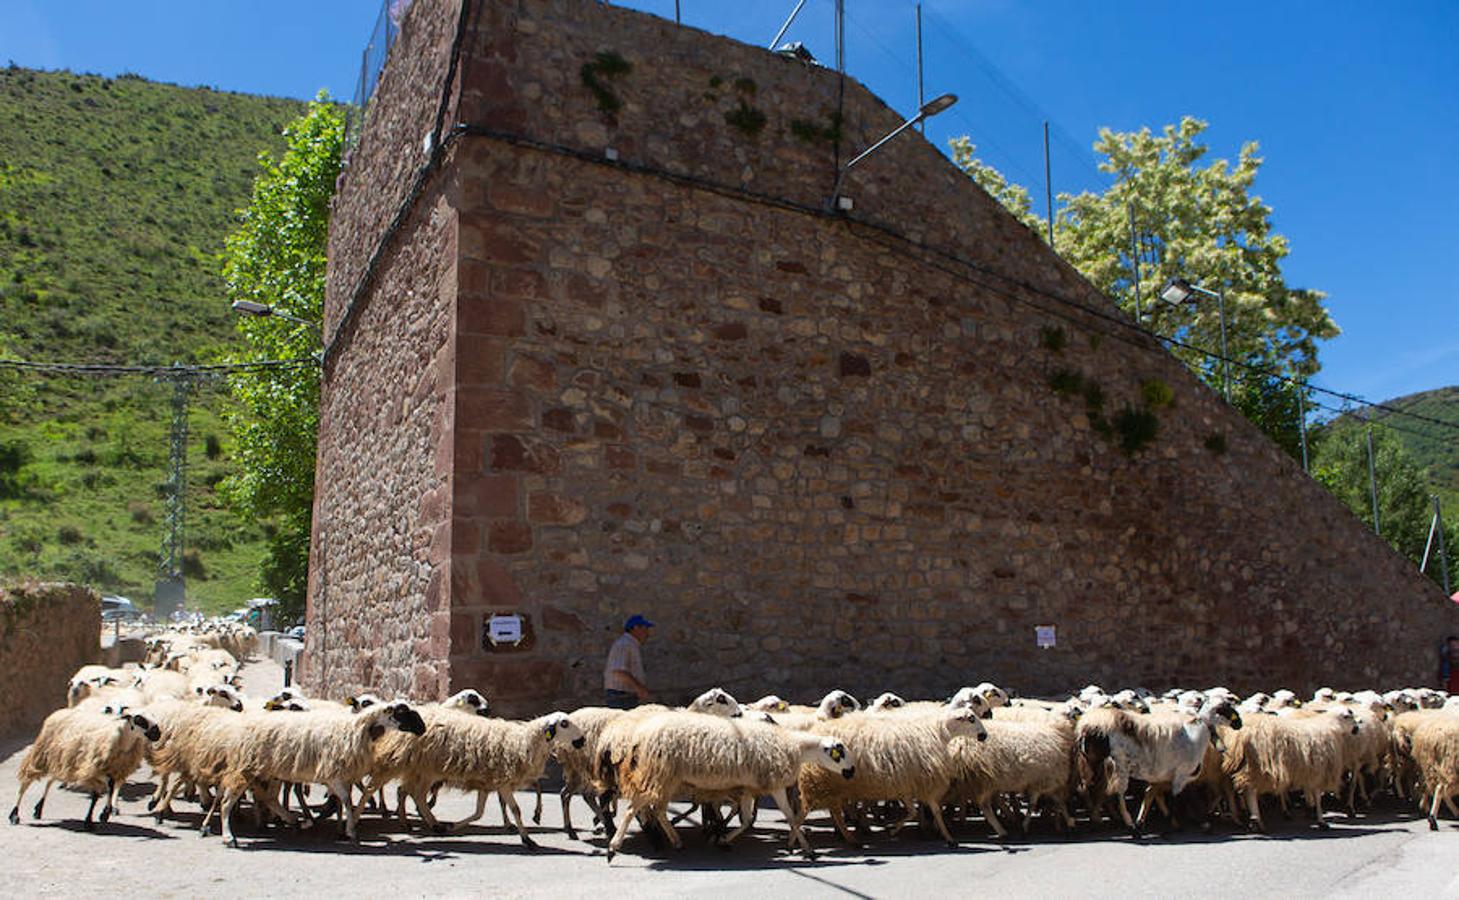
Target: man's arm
point(639, 687)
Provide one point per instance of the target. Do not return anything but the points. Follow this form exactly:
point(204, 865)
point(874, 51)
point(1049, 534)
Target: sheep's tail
point(1091, 753)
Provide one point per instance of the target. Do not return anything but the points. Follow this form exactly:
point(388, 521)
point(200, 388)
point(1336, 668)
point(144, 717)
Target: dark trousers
point(619, 699)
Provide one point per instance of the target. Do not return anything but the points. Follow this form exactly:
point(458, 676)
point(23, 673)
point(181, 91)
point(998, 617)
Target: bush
point(69, 534)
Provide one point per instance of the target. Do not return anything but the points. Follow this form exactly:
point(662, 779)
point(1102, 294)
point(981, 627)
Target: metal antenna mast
point(170, 593)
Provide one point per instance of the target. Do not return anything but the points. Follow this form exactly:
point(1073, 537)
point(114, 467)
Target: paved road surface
point(1387, 853)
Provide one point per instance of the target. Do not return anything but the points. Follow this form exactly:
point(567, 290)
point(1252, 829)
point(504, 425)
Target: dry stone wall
point(869, 451)
point(47, 632)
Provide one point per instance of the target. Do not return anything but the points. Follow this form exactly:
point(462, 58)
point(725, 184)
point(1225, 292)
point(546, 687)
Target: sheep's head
point(360, 702)
point(963, 722)
point(836, 704)
point(716, 702)
point(559, 729)
point(973, 699)
point(398, 716)
point(222, 695)
point(469, 700)
point(994, 695)
point(144, 726)
point(833, 756)
point(887, 701)
point(1348, 717)
point(1324, 693)
point(770, 703)
point(1219, 708)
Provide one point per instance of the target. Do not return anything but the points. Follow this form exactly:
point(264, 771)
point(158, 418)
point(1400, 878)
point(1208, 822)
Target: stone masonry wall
point(47, 632)
point(379, 560)
point(821, 451)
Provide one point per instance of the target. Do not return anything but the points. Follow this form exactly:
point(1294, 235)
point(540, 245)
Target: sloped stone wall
point(47, 632)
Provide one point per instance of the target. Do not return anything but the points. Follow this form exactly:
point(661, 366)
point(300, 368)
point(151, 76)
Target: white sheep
point(885, 702)
point(1292, 751)
point(770, 703)
point(1435, 749)
point(901, 757)
point(1031, 757)
point(333, 749)
point(676, 753)
point(95, 752)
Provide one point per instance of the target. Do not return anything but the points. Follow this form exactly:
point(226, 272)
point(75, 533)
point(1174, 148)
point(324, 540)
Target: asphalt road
point(1388, 851)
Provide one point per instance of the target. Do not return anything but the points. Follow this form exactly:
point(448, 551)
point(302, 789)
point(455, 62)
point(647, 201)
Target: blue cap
point(636, 620)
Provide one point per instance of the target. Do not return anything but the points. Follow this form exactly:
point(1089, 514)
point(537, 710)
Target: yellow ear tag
point(551, 732)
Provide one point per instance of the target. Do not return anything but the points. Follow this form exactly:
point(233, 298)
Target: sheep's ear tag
point(551, 732)
point(836, 754)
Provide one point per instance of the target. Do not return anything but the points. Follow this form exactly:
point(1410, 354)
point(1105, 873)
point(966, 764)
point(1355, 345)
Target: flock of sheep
point(1197, 754)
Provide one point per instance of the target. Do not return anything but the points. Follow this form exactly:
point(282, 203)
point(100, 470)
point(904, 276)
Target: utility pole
point(171, 592)
point(1373, 483)
point(1049, 185)
point(1302, 419)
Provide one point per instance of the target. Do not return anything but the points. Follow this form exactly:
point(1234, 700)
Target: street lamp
point(929, 109)
point(1177, 291)
point(263, 310)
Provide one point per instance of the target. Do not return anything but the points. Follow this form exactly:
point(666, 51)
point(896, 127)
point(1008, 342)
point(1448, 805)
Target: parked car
point(297, 632)
point(114, 607)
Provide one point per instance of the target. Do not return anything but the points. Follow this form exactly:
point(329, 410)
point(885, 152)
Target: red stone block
point(493, 409)
point(619, 457)
point(498, 588)
point(480, 359)
point(465, 632)
point(526, 201)
point(465, 534)
point(521, 283)
point(530, 372)
point(731, 331)
point(469, 450)
point(509, 537)
point(515, 453)
point(481, 315)
point(508, 677)
point(546, 508)
point(474, 279)
point(554, 619)
point(496, 242)
point(559, 419)
point(488, 496)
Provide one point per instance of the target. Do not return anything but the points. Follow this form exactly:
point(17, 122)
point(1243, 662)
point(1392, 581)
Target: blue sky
point(1353, 105)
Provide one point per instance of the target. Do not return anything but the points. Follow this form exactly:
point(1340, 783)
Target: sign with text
point(504, 629)
point(1044, 636)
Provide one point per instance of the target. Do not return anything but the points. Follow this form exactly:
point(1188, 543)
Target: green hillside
point(1433, 446)
point(115, 198)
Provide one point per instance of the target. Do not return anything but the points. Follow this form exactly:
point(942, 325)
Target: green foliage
point(1053, 338)
point(607, 64)
point(1198, 222)
point(1405, 510)
point(115, 197)
point(1156, 393)
point(1066, 382)
point(1137, 428)
point(746, 118)
point(1216, 442)
point(816, 133)
point(1434, 447)
point(277, 257)
point(1273, 405)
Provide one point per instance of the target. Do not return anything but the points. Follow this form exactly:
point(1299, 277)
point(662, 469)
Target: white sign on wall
point(504, 629)
point(1044, 636)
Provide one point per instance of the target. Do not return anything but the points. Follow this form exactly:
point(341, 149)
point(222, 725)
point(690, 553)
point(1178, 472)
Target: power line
point(177, 371)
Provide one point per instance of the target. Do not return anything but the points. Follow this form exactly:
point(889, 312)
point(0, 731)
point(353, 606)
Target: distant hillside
point(1433, 446)
point(115, 197)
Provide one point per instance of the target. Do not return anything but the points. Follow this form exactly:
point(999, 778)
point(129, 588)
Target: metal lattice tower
point(174, 529)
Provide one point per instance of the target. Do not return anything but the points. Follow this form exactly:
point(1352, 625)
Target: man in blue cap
point(624, 684)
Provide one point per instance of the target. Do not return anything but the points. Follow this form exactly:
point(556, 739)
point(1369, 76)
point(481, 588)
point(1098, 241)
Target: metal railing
point(372, 62)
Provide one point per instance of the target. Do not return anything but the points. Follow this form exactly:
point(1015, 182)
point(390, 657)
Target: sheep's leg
point(164, 804)
point(111, 801)
point(782, 803)
point(991, 818)
point(566, 796)
point(341, 789)
point(1434, 808)
point(1152, 794)
point(90, 825)
point(1253, 809)
point(634, 806)
point(481, 798)
point(537, 811)
point(303, 804)
point(838, 818)
point(1314, 798)
point(225, 814)
point(1125, 814)
point(25, 784)
point(423, 808)
point(164, 781)
point(747, 817)
point(936, 809)
point(400, 796)
point(509, 801)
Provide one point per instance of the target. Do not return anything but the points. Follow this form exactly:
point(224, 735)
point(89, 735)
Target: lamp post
point(1177, 291)
point(264, 311)
point(930, 108)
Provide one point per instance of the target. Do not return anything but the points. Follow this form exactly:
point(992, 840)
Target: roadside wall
point(47, 632)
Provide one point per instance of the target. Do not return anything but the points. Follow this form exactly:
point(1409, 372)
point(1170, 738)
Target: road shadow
point(108, 829)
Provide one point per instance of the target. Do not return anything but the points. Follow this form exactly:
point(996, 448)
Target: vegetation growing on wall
point(606, 66)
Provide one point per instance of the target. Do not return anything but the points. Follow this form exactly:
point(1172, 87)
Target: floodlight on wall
point(1178, 291)
point(930, 108)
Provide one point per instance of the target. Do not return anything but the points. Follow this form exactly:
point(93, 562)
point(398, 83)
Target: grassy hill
point(1435, 447)
point(115, 198)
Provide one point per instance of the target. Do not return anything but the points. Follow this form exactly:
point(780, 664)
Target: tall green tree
point(277, 257)
point(1405, 510)
point(1194, 219)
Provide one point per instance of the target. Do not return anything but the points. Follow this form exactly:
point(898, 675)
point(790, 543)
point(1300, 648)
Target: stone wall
point(820, 450)
point(47, 632)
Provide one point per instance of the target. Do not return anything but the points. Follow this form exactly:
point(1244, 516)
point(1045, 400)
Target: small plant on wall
point(607, 66)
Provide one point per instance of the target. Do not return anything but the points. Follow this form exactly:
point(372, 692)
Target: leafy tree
point(1197, 222)
point(277, 257)
point(1273, 405)
point(1340, 463)
point(1014, 197)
